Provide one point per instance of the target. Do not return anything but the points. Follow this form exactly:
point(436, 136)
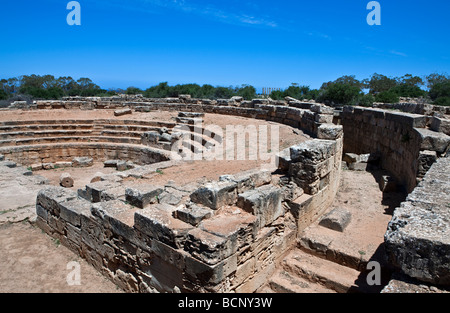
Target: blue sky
point(230, 42)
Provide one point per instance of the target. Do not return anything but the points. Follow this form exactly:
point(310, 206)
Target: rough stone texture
point(440, 125)
point(329, 131)
point(263, 202)
point(418, 236)
point(426, 160)
point(396, 137)
point(337, 219)
point(401, 283)
point(82, 161)
point(215, 195)
point(192, 214)
point(66, 180)
point(122, 112)
point(143, 195)
point(431, 140)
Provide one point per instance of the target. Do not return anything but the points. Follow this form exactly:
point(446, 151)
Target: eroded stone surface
point(418, 236)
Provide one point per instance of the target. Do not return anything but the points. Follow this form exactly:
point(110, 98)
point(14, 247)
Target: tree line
point(346, 90)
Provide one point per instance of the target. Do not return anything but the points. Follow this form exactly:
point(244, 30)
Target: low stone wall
point(52, 153)
point(304, 115)
point(188, 248)
point(418, 236)
point(401, 139)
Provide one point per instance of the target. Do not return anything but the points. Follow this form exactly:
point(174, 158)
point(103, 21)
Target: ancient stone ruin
point(232, 234)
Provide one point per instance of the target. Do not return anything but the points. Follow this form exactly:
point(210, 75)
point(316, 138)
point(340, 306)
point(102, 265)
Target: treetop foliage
point(345, 90)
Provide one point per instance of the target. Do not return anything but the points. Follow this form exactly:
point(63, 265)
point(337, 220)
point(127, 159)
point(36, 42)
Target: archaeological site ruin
point(166, 195)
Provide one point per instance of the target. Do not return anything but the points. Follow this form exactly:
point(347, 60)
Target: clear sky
point(230, 42)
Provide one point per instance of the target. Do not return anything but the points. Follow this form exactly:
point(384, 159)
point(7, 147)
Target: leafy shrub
point(387, 97)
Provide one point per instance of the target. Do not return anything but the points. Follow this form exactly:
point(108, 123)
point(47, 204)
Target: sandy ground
point(32, 262)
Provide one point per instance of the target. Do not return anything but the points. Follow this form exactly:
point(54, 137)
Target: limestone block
point(117, 216)
point(440, 125)
point(95, 191)
point(189, 120)
point(82, 161)
point(407, 119)
point(122, 165)
point(359, 166)
point(110, 163)
point(337, 219)
point(313, 151)
point(234, 224)
point(50, 197)
point(322, 109)
point(323, 118)
point(122, 112)
point(425, 161)
point(216, 194)
point(36, 167)
point(191, 114)
point(208, 247)
point(141, 196)
point(192, 213)
point(71, 210)
point(264, 202)
point(206, 274)
point(329, 131)
point(62, 164)
point(157, 221)
point(249, 179)
point(66, 180)
point(431, 140)
point(283, 159)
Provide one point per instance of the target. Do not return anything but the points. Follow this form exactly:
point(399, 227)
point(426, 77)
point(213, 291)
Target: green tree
point(379, 83)
point(387, 97)
point(3, 95)
point(436, 78)
point(338, 93)
point(133, 91)
point(159, 91)
point(247, 92)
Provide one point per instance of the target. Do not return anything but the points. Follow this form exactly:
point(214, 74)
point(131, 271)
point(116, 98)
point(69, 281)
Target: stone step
point(284, 282)
point(315, 269)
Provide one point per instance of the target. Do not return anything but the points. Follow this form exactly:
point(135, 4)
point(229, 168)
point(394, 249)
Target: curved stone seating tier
point(37, 137)
point(65, 152)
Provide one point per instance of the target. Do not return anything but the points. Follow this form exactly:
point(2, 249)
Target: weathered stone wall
point(314, 166)
point(399, 138)
point(418, 236)
point(188, 248)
